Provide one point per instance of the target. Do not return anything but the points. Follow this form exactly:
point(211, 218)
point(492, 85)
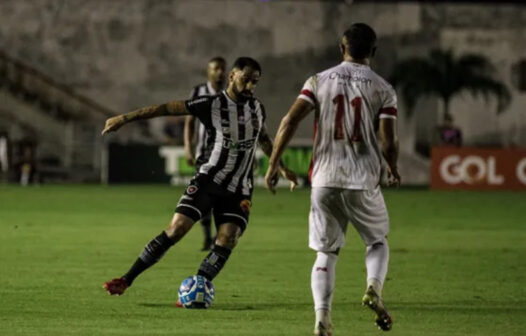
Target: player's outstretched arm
point(389, 143)
point(266, 145)
point(298, 111)
point(189, 127)
point(175, 108)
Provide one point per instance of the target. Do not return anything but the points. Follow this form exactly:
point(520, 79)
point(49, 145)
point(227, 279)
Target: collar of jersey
point(230, 99)
point(355, 64)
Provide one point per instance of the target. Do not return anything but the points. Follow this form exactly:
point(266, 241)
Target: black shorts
point(203, 195)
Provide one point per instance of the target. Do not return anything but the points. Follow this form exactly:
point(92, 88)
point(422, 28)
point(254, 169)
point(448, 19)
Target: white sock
point(322, 282)
point(376, 261)
point(323, 316)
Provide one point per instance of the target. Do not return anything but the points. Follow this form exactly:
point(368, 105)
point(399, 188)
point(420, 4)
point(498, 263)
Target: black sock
point(214, 262)
point(149, 256)
point(206, 224)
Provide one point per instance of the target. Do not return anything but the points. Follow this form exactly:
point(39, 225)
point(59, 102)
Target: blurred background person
point(448, 134)
point(4, 156)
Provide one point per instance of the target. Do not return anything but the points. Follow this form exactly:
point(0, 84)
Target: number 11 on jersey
point(356, 105)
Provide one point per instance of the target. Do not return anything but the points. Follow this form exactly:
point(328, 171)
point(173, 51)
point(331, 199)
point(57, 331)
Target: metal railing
point(56, 98)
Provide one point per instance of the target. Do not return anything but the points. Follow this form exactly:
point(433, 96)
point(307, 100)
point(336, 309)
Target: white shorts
point(331, 210)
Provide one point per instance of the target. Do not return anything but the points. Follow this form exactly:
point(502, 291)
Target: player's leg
point(227, 237)
point(327, 226)
point(231, 217)
point(152, 252)
point(206, 224)
point(369, 216)
point(193, 203)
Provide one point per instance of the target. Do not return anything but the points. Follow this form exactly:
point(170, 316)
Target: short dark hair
point(217, 59)
point(361, 39)
point(243, 62)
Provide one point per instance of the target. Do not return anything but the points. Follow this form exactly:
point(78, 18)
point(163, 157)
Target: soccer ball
point(196, 292)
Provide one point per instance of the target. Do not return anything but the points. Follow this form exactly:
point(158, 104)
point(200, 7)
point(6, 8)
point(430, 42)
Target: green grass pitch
point(458, 266)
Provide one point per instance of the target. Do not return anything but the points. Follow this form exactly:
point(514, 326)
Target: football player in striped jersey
point(235, 123)
point(216, 74)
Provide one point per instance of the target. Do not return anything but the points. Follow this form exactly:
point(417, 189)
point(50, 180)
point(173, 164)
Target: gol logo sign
point(482, 169)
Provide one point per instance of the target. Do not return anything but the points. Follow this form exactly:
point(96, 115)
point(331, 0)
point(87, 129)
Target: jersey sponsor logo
point(243, 145)
point(348, 78)
point(246, 205)
point(197, 101)
point(191, 189)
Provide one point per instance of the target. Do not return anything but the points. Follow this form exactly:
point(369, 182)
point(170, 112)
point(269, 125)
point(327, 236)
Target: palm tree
point(444, 75)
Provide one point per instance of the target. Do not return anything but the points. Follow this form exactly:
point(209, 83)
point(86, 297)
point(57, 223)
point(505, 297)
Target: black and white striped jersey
point(233, 129)
point(203, 148)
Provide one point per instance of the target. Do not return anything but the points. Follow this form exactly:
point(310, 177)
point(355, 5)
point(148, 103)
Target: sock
point(323, 316)
point(322, 280)
point(214, 262)
point(206, 224)
point(376, 261)
point(149, 256)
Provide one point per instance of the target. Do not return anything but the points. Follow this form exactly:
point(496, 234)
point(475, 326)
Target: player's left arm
point(288, 126)
point(265, 142)
point(174, 108)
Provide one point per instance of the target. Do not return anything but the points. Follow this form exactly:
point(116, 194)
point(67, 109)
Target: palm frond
point(444, 75)
point(489, 87)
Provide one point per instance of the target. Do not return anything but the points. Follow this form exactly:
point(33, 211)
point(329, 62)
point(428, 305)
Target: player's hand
point(113, 124)
point(272, 178)
point(393, 177)
point(291, 176)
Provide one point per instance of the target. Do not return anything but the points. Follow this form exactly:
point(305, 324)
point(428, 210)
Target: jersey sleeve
point(308, 92)
point(389, 104)
point(199, 107)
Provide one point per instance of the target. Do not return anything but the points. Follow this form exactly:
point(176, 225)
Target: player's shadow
point(231, 307)
point(260, 306)
point(156, 305)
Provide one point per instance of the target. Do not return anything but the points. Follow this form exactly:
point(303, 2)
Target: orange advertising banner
point(478, 169)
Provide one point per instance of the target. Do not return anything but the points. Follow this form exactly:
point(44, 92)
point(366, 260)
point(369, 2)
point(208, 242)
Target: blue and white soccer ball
point(196, 292)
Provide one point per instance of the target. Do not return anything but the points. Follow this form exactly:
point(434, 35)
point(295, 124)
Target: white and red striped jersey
point(350, 99)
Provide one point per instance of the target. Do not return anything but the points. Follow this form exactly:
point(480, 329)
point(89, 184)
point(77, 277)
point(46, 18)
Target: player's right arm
point(189, 127)
point(173, 108)
point(298, 111)
point(389, 144)
point(388, 133)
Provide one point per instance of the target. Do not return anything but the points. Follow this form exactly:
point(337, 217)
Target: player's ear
point(342, 48)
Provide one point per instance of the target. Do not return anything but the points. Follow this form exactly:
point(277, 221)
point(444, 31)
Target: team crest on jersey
point(245, 205)
point(191, 190)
